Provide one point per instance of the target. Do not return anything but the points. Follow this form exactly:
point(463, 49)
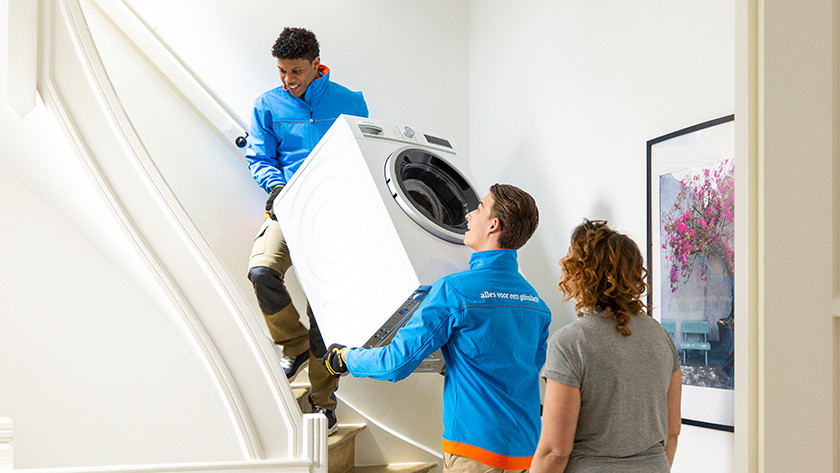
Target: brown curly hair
point(604, 272)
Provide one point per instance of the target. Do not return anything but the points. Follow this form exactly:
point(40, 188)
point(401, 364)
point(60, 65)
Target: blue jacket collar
point(318, 86)
point(496, 259)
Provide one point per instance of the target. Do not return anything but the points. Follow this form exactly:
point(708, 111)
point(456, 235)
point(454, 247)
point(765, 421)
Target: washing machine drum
point(431, 192)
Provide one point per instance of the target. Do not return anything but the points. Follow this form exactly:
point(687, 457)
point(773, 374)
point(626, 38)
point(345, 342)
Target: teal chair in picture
point(670, 326)
point(692, 330)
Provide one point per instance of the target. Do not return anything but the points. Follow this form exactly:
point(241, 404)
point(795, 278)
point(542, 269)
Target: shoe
point(292, 364)
point(332, 422)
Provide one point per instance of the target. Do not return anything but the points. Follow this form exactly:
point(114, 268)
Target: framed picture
point(691, 262)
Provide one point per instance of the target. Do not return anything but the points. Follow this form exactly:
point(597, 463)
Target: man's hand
point(334, 360)
point(269, 204)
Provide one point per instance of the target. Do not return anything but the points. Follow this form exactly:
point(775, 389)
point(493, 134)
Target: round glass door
point(431, 192)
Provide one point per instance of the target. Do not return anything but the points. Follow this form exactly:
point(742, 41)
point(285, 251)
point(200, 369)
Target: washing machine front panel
point(346, 252)
point(431, 191)
point(431, 255)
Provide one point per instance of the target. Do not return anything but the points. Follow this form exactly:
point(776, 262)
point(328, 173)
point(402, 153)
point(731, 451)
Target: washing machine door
point(431, 192)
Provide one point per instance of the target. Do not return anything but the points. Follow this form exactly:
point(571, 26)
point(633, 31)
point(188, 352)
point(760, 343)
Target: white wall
point(409, 58)
point(564, 96)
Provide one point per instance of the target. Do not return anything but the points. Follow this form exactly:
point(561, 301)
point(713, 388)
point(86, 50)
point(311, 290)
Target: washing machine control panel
point(404, 133)
point(434, 363)
point(407, 132)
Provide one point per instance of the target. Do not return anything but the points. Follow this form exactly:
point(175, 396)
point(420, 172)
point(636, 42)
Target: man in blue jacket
point(492, 327)
point(286, 125)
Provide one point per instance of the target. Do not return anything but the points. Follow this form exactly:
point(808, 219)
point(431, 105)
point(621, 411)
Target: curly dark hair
point(296, 43)
point(517, 211)
point(607, 272)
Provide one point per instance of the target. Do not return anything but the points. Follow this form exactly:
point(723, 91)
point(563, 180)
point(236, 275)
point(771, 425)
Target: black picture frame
point(690, 188)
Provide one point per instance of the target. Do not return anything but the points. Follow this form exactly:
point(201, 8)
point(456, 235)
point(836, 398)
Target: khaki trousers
point(458, 464)
point(283, 321)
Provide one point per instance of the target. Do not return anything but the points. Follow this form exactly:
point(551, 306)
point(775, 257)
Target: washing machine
point(372, 218)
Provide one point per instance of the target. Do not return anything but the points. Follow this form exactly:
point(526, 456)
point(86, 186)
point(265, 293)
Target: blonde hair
point(607, 272)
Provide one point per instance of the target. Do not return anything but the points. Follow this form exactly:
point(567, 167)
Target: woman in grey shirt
point(613, 380)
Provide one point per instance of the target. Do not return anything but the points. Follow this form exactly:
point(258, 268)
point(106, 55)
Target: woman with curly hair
point(613, 380)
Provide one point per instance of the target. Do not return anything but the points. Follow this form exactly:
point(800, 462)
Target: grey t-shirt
point(623, 383)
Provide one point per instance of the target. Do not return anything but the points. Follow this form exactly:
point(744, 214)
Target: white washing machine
point(372, 218)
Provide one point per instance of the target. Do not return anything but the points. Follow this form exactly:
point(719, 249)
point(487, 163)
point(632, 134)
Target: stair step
point(342, 448)
point(346, 433)
point(422, 467)
point(300, 391)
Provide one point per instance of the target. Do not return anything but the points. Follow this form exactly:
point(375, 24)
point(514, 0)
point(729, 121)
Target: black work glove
point(269, 204)
point(334, 360)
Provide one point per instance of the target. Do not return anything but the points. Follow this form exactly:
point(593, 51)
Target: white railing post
point(7, 431)
point(315, 442)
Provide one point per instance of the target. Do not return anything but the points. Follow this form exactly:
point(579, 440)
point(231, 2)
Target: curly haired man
point(287, 123)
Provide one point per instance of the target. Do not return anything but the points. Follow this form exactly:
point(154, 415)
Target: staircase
point(342, 445)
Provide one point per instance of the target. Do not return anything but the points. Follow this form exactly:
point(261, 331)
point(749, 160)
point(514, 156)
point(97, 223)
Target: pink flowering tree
point(701, 224)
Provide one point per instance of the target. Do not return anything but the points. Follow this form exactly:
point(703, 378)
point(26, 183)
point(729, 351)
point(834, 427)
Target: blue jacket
point(284, 129)
point(492, 328)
